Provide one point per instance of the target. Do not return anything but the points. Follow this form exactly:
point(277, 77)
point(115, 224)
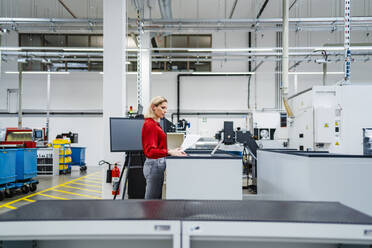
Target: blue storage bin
point(26, 164)
point(78, 155)
point(7, 166)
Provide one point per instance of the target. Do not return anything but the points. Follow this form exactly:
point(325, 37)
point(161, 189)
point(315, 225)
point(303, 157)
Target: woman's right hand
point(178, 152)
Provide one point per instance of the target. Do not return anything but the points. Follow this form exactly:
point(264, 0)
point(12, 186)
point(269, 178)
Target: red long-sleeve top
point(154, 140)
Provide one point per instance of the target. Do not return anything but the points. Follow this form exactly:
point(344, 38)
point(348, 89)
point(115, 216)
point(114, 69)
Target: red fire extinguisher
point(115, 179)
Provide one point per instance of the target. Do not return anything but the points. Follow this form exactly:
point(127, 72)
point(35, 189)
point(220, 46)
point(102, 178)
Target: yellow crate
point(63, 167)
point(67, 160)
point(67, 151)
point(61, 141)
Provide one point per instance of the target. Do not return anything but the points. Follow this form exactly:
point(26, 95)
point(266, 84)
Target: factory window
point(63, 63)
point(180, 61)
point(165, 61)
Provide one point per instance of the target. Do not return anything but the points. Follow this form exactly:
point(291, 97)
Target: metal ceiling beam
point(66, 25)
point(250, 20)
point(67, 8)
point(7, 20)
point(233, 9)
point(262, 9)
point(180, 22)
point(292, 4)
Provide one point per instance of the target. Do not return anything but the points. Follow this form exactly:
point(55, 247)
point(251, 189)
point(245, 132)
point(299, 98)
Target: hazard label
point(326, 125)
point(337, 144)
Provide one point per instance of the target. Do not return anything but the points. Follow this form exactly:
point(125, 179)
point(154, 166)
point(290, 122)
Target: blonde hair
point(156, 101)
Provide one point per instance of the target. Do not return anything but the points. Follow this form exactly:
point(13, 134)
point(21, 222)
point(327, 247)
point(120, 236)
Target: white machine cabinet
point(330, 118)
point(204, 177)
point(314, 176)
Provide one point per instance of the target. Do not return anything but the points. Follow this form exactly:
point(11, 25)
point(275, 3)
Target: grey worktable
point(97, 223)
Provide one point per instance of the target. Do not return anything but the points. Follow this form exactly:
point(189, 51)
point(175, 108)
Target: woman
point(154, 144)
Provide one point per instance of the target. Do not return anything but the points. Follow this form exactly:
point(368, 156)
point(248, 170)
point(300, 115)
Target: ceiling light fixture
point(87, 49)
point(134, 73)
point(10, 48)
point(223, 73)
point(315, 73)
point(38, 72)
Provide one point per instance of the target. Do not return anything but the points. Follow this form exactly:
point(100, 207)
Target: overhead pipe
point(208, 113)
point(296, 20)
point(314, 20)
point(285, 60)
point(165, 9)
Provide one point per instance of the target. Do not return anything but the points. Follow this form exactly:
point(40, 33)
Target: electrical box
point(323, 125)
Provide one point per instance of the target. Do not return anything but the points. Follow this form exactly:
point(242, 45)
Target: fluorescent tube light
point(223, 73)
point(315, 73)
point(359, 48)
point(38, 72)
point(10, 48)
point(134, 73)
point(233, 49)
point(87, 49)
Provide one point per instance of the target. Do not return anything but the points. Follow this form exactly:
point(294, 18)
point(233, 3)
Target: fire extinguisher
point(115, 180)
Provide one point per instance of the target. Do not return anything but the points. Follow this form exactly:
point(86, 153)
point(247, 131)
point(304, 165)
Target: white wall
point(71, 92)
point(89, 130)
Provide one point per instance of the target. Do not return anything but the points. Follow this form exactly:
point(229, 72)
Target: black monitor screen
point(125, 134)
point(38, 134)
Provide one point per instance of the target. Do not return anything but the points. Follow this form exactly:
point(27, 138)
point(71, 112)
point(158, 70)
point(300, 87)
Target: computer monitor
point(38, 134)
point(125, 134)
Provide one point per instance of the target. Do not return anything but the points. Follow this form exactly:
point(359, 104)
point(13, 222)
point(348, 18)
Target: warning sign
point(336, 124)
point(337, 144)
point(326, 125)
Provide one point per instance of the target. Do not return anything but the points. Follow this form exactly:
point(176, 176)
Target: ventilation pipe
point(285, 58)
point(165, 9)
point(20, 86)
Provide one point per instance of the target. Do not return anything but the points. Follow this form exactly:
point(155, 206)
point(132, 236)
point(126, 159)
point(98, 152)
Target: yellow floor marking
point(11, 207)
point(7, 205)
point(90, 185)
point(53, 196)
point(92, 190)
point(29, 200)
point(91, 181)
point(73, 193)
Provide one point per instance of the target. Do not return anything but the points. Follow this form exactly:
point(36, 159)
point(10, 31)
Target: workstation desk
point(315, 176)
point(202, 176)
point(197, 224)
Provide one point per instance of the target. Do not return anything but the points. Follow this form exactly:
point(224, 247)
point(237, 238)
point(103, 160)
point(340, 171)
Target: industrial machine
point(169, 127)
point(14, 137)
point(228, 136)
point(73, 137)
point(367, 141)
point(25, 137)
point(330, 118)
point(269, 128)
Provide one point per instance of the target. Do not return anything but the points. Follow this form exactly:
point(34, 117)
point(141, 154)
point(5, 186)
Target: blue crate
point(26, 165)
point(7, 166)
point(78, 155)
